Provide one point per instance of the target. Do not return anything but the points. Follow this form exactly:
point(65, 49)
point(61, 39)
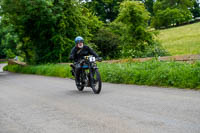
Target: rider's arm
point(92, 52)
point(72, 54)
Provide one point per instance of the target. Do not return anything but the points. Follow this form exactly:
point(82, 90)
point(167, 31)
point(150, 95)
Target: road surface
point(39, 104)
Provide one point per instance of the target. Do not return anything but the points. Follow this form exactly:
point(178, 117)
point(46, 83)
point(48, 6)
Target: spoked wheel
point(81, 86)
point(95, 81)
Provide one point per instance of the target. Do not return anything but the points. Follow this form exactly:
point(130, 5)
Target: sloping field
point(181, 40)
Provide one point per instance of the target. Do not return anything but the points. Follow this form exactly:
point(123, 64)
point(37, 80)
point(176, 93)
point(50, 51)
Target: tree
point(181, 4)
point(8, 40)
point(170, 17)
point(47, 28)
point(106, 10)
point(171, 12)
point(196, 9)
point(2, 54)
point(149, 5)
point(107, 43)
point(133, 18)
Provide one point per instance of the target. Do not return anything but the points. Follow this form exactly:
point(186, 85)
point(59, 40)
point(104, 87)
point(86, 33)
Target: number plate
point(92, 59)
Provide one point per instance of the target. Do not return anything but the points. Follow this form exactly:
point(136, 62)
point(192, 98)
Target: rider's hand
point(99, 59)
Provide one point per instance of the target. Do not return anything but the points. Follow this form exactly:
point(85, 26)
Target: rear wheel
point(95, 81)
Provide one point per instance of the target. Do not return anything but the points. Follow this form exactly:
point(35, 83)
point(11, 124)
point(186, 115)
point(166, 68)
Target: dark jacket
point(77, 53)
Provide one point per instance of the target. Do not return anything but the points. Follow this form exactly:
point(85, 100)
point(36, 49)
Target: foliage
point(154, 50)
point(8, 40)
point(131, 25)
point(171, 17)
point(171, 12)
point(153, 73)
point(175, 74)
point(107, 43)
point(106, 10)
point(181, 4)
point(2, 53)
point(47, 28)
point(3, 62)
point(93, 23)
point(149, 5)
point(43, 31)
point(57, 70)
point(196, 9)
point(133, 17)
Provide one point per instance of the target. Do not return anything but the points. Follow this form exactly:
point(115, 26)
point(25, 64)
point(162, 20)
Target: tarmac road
point(38, 104)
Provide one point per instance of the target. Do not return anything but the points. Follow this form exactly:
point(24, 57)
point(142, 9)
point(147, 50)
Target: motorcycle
point(89, 75)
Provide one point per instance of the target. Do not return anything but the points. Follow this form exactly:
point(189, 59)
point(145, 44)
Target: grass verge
point(174, 74)
point(57, 70)
point(3, 62)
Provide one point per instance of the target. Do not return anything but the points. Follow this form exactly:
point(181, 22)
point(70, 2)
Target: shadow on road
point(80, 93)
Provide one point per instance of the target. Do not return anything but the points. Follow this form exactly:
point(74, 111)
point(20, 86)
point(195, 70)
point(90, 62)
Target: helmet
point(78, 39)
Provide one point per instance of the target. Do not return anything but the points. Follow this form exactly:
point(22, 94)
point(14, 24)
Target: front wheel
point(80, 87)
point(95, 81)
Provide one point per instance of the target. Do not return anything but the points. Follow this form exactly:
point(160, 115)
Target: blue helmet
point(78, 39)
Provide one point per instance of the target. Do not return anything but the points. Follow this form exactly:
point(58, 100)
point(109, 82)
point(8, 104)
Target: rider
point(77, 53)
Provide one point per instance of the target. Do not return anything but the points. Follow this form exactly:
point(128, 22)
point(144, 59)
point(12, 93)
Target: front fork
point(92, 73)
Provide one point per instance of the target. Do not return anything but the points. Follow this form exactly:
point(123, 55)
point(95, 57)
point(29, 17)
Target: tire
point(81, 87)
point(95, 81)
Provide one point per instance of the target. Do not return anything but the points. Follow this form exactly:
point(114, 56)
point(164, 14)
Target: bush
point(47, 70)
point(133, 18)
point(107, 43)
point(9, 54)
point(173, 74)
point(153, 50)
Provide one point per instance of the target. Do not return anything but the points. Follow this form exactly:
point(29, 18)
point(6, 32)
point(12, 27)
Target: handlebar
point(97, 59)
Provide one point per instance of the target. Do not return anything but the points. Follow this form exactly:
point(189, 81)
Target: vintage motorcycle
point(89, 75)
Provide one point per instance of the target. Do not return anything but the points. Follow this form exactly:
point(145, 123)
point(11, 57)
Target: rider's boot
point(72, 71)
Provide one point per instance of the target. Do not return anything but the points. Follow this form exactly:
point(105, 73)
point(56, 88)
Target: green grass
point(181, 40)
point(3, 62)
point(174, 74)
point(57, 70)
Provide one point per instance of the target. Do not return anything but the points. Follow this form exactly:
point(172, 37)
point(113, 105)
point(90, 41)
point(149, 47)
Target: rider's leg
point(78, 71)
point(73, 69)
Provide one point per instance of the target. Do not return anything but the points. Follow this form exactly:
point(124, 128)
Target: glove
point(99, 59)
